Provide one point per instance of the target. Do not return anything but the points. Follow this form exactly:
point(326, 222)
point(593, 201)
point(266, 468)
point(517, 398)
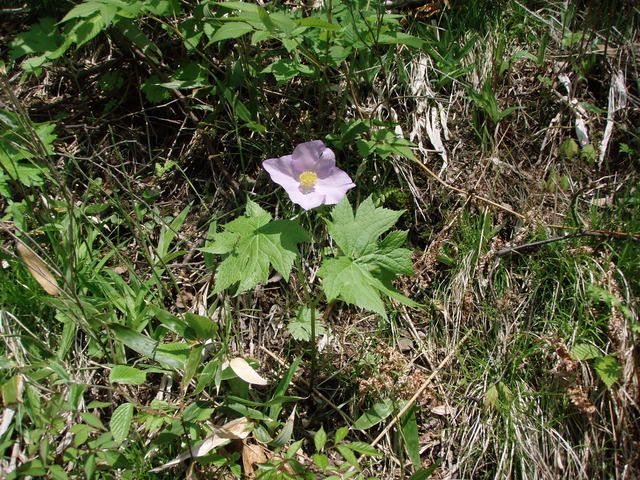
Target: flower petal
point(281, 171)
point(312, 156)
point(307, 200)
point(335, 186)
point(332, 184)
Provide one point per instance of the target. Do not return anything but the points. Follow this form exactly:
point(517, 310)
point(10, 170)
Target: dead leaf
point(38, 268)
point(245, 371)
point(442, 410)
point(251, 455)
point(233, 430)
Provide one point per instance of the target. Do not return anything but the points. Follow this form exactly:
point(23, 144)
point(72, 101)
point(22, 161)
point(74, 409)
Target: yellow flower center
point(308, 179)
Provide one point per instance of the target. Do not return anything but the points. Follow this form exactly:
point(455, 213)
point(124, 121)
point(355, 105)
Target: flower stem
point(312, 305)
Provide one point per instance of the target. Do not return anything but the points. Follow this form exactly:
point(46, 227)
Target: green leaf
point(286, 69)
point(608, 369)
point(320, 439)
point(365, 449)
point(85, 9)
point(40, 38)
point(253, 244)
point(127, 375)
point(300, 327)
point(343, 278)
point(375, 415)
point(356, 234)
point(599, 294)
point(191, 367)
point(135, 35)
point(120, 422)
point(242, 6)
point(348, 455)
point(19, 146)
point(282, 388)
point(321, 461)
point(341, 434)
point(317, 23)
point(231, 30)
point(409, 428)
point(425, 473)
point(174, 355)
point(204, 327)
point(265, 18)
point(395, 38)
point(367, 266)
point(87, 29)
point(585, 351)
point(12, 391)
point(173, 323)
point(93, 420)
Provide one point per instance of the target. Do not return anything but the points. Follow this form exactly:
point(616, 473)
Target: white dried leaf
point(245, 371)
point(442, 410)
point(237, 429)
point(581, 131)
point(38, 268)
point(617, 101)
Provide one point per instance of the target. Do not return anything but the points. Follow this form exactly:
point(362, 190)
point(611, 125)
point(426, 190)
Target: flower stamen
point(308, 179)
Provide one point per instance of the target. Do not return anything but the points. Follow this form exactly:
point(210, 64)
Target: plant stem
point(312, 305)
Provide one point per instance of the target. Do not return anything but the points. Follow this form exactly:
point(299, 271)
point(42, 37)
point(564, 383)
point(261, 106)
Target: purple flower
point(310, 175)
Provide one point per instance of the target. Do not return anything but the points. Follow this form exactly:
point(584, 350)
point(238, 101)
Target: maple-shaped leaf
point(366, 266)
point(251, 245)
point(356, 234)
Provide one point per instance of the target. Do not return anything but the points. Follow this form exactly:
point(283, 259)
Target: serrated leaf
point(367, 266)
point(242, 6)
point(87, 29)
point(231, 30)
point(127, 375)
point(343, 278)
point(120, 422)
point(258, 244)
point(356, 234)
point(317, 23)
point(585, 351)
point(42, 37)
point(300, 327)
point(85, 9)
point(608, 369)
point(341, 434)
point(320, 439)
